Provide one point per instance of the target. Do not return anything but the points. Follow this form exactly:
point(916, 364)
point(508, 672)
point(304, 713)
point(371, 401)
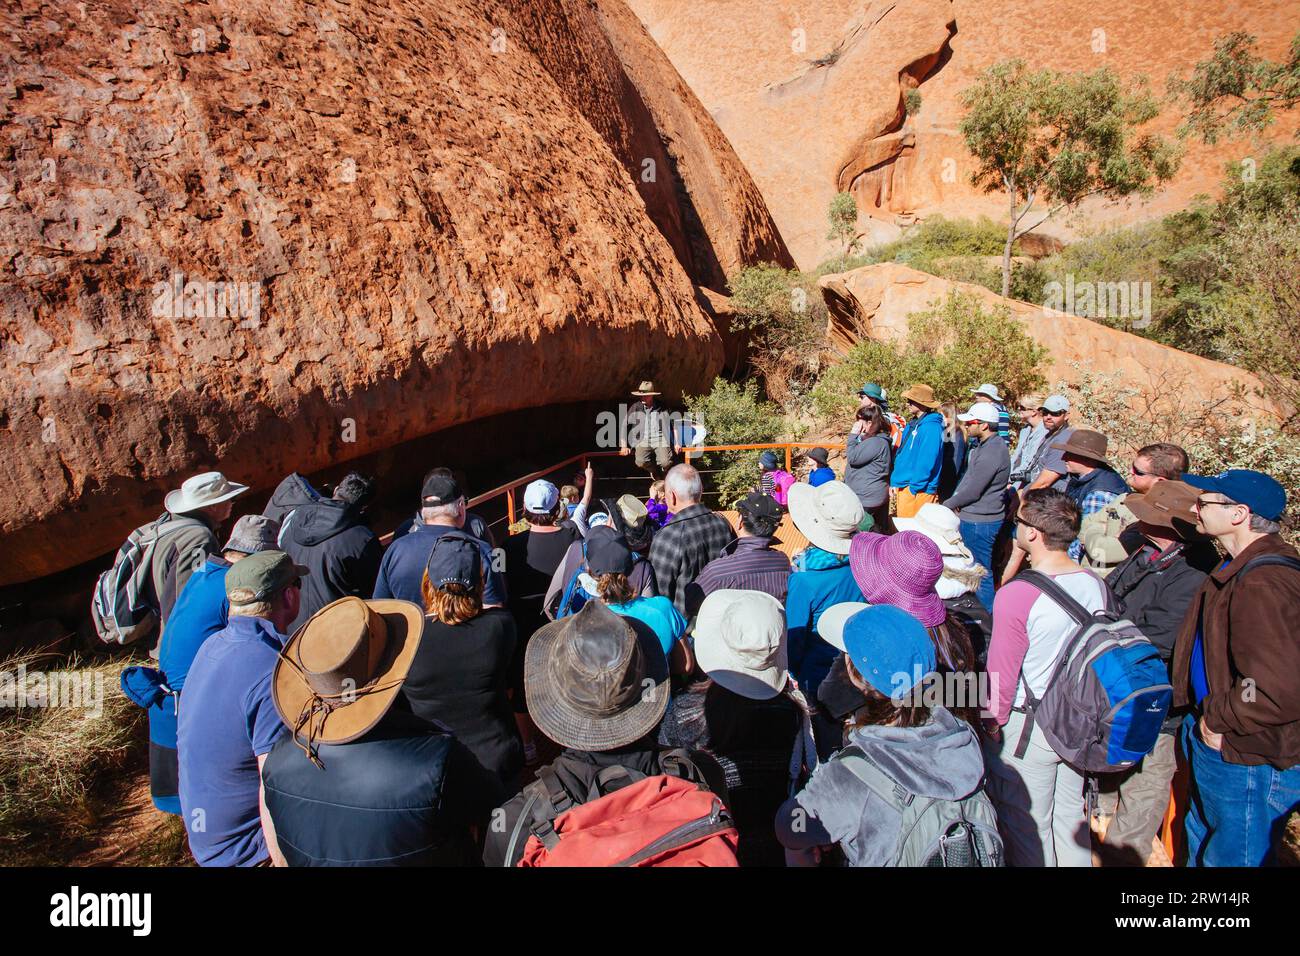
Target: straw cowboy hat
point(209, 488)
point(595, 680)
point(827, 515)
point(338, 675)
point(647, 388)
point(922, 395)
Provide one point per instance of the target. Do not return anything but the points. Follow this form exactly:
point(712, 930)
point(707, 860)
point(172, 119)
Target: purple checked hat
point(900, 570)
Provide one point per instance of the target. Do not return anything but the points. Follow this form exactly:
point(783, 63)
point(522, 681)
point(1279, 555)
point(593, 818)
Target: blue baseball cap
point(1264, 496)
point(890, 648)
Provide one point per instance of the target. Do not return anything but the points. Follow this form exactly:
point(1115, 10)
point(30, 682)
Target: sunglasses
point(1020, 520)
point(1138, 472)
point(1047, 412)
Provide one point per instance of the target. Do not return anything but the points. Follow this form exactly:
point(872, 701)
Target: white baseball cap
point(540, 497)
point(990, 390)
point(1056, 403)
point(830, 625)
point(980, 412)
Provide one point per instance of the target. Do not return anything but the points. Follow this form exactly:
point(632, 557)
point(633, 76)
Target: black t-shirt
point(459, 678)
point(531, 560)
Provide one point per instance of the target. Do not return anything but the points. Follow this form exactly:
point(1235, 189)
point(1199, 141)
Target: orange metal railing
point(511, 487)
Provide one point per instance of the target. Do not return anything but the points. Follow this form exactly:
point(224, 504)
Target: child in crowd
point(657, 506)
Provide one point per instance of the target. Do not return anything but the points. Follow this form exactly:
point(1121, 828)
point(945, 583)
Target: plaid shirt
point(681, 549)
point(1091, 493)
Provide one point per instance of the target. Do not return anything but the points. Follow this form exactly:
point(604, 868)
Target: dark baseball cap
point(456, 558)
point(1264, 496)
point(607, 552)
point(758, 505)
point(440, 490)
point(261, 576)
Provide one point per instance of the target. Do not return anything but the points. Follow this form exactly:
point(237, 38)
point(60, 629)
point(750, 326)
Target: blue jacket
point(819, 580)
point(920, 455)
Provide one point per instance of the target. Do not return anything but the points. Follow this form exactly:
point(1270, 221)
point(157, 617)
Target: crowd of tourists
point(991, 636)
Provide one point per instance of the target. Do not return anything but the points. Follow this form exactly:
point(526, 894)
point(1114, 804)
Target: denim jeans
point(1235, 813)
point(982, 537)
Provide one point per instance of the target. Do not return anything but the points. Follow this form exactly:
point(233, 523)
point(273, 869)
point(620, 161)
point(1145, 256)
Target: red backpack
point(628, 819)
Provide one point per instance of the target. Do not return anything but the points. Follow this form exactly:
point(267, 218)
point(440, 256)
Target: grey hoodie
point(940, 759)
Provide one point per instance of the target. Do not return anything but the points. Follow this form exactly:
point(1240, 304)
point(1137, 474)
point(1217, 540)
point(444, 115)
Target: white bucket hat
point(740, 642)
point(990, 390)
point(827, 515)
point(209, 488)
point(941, 525)
point(830, 626)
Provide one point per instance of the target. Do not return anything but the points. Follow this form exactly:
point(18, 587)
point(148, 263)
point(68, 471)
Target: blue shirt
point(661, 616)
point(820, 580)
point(227, 720)
point(402, 571)
point(819, 476)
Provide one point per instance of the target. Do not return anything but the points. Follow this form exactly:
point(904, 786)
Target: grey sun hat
point(253, 533)
point(596, 680)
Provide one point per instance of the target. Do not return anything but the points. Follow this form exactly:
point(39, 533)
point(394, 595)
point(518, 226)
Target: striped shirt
point(747, 564)
point(681, 549)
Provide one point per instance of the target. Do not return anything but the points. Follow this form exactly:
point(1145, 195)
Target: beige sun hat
point(647, 388)
point(941, 525)
point(827, 515)
point(740, 642)
point(209, 488)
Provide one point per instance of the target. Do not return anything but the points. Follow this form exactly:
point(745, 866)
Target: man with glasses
point(1237, 665)
point(1109, 535)
point(1047, 469)
point(1029, 440)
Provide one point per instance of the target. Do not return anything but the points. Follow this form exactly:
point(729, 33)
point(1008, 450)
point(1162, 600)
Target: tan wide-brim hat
point(647, 388)
point(922, 395)
point(828, 515)
point(200, 491)
point(341, 671)
point(1169, 504)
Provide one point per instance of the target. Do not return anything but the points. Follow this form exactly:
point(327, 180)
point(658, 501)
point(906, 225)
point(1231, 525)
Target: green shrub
point(932, 241)
point(785, 314)
point(734, 414)
point(843, 218)
point(912, 101)
point(953, 347)
point(1217, 432)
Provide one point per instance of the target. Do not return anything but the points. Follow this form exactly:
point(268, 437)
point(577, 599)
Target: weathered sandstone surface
point(810, 93)
point(876, 301)
point(267, 235)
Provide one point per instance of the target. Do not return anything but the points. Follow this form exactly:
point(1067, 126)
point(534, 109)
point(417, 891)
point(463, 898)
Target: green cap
point(261, 576)
point(872, 390)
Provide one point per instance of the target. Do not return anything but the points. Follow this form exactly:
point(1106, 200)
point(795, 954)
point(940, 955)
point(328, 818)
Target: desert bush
point(953, 347)
point(785, 315)
point(734, 414)
point(1218, 433)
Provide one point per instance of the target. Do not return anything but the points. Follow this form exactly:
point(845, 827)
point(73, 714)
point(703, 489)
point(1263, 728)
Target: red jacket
point(1252, 657)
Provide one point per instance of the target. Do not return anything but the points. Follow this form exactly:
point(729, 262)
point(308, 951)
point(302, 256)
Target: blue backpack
point(1108, 692)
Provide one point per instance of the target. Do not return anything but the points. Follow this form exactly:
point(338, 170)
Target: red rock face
point(381, 219)
point(811, 94)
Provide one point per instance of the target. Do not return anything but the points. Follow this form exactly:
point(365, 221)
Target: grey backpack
point(1108, 691)
point(934, 831)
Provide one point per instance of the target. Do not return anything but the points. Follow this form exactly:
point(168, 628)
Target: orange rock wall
point(434, 211)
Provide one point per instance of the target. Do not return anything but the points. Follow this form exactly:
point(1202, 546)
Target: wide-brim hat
point(922, 395)
point(900, 570)
point(341, 671)
point(828, 515)
point(1169, 504)
point(646, 388)
point(1085, 444)
point(200, 491)
point(988, 389)
point(941, 525)
point(740, 642)
point(596, 680)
